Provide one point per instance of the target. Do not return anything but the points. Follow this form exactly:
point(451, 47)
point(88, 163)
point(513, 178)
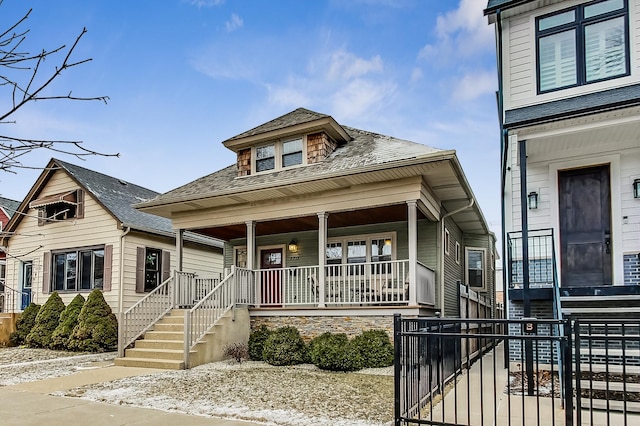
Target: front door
point(585, 227)
point(27, 274)
point(270, 276)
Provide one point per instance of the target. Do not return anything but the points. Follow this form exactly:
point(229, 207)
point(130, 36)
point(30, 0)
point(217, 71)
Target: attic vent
point(123, 182)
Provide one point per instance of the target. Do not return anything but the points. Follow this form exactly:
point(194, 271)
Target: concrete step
point(613, 386)
point(601, 404)
point(164, 335)
point(611, 368)
point(159, 344)
point(167, 364)
point(147, 353)
point(168, 327)
point(172, 319)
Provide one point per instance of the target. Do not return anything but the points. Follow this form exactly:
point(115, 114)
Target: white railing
point(147, 311)
point(9, 300)
point(286, 286)
point(204, 315)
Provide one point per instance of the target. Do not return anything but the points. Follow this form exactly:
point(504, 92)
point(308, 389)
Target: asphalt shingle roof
point(364, 150)
point(298, 116)
point(10, 206)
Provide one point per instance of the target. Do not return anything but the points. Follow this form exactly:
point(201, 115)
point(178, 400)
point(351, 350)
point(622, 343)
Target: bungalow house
point(331, 228)
point(7, 208)
point(76, 230)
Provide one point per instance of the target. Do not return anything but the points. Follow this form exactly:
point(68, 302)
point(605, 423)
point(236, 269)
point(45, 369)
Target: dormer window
point(59, 207)
point(279, 155)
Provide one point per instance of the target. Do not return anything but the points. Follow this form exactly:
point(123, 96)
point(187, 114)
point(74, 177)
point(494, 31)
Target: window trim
point(579, 25)
point(278, 154)
point(445, 241)
point(458, 252)
point(236, 249)
point(367, 238)
point(77, 250)
point(467, 250)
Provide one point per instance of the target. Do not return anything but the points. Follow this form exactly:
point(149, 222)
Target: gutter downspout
point(441, 251)
point(121, 291)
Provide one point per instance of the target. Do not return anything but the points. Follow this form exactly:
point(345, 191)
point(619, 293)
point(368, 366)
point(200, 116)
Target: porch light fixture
point(636, 188)
point(533, 200)
point(293, 246)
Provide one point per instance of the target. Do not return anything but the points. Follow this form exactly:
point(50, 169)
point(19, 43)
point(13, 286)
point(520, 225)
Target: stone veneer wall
point(244, 162)
point(312, 326)
point(631, 269)
point(319, 147)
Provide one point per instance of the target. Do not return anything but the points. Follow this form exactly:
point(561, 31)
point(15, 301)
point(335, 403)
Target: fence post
point(187, 337)
point(397, 328)
point(568, 374)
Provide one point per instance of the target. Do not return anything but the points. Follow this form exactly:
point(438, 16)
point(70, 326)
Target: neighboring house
point(331, 228)
point(76, 231)
point(7, 208)
point(569, 103)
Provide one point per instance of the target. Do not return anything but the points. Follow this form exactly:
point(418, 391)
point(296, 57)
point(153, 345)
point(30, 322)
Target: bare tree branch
point(25, 79)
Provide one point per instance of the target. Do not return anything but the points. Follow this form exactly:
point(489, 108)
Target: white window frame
point(467, 250)
point(445, 241)
point(367, 238)
point(279, 152)
point(458, 252)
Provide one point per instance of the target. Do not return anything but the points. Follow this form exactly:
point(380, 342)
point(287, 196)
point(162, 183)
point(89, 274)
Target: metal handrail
point(10, 297)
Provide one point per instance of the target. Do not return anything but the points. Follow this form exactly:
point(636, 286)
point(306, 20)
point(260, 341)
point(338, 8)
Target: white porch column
point(179, 248)
point(251, 244)
point(412, 219)
point(322, 247)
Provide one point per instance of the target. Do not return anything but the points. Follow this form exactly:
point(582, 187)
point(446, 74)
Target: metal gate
point(516, 372)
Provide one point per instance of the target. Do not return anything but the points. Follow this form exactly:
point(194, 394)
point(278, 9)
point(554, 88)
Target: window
point(3, 274)
point(445, 242)
point(279, 155)
point(152, 268)
point(78, 270)
point(457, 252)
point(582, 45)
point(240, 257)
point(359, 250)
point(475, 267)
point(59, 207)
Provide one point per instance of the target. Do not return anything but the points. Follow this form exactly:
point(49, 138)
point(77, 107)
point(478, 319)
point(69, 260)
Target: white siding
point(630, 170)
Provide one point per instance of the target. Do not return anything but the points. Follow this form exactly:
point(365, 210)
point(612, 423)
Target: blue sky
point(184, 75)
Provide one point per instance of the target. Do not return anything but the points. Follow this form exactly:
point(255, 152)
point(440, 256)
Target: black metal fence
point(467, 372)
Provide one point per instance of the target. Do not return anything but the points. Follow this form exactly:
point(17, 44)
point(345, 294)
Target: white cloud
point(205, 3)
point(473, 85)
point(416, 75)
point(234, 23)
point(360, 96)
point(345, 65)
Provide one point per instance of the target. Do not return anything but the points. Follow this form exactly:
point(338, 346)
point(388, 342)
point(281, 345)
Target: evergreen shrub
point(335, 352)
point(375, 348)
point(97, 328)
point(24, 324)
point(68, 320)
point(46, 322)
point(284, 346)
point(256, 342)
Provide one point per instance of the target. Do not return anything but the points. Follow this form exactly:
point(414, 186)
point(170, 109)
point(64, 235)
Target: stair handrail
point(207, 312)
point(557, 311)
point(10, 298)
point(140, 317)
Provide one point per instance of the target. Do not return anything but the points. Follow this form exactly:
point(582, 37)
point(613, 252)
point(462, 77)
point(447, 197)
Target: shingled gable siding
point(244, 162)
point(319, 147)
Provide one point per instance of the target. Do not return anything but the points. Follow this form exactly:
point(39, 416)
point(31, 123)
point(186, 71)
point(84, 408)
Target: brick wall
point(244, 162)
point(631, 269)
point(319, 147)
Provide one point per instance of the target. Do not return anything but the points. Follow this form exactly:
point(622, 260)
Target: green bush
point(97, 328)
point(24, 325)
point(256, 342)
point(316, 344)
point(46, 322)
point(375, 348)
point(284, 346)
point(336, 352)
point(68, 320)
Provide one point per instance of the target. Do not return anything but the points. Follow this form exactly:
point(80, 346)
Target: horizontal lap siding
point(453, 271)
point(520, 66)
point(630, 170)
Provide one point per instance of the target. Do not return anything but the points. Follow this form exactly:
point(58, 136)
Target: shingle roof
point(364, 150)
point(620, 97)
point(494, 5)
point(9, 206)
point(297, 116)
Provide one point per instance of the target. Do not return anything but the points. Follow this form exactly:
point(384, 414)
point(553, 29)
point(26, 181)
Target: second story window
point(292, 153)
point(582, 45)
point(265, 158)
point(279, 155)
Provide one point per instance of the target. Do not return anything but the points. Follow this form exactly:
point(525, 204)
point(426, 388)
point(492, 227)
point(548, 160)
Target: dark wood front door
point(585, 227)
point(271, 276)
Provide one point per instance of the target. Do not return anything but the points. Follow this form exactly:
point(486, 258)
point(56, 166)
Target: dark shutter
point(140, 270)
point(108, 259)
point(80, 203)
point(166, 265)
point(46, 273)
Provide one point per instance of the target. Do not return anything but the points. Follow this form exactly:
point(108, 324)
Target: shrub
point(336, 352)
point(68, 320)
point(284, 346)
point(237, 351)
point(24, 325)
point(97, 328)
point(316, 344)
point(46, 322)
point(256, 342)
point(375, 347)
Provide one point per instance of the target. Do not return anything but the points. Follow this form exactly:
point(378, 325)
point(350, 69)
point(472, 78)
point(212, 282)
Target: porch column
point(412, 219)
point(251, 244)
point(322, 247)
point(179, 248)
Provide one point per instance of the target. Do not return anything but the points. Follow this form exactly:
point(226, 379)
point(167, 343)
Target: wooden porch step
point(160, 354)
point(166, 364)
point(159, 344)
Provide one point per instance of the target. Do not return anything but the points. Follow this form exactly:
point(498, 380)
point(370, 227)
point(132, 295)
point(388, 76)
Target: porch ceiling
point(394, 213)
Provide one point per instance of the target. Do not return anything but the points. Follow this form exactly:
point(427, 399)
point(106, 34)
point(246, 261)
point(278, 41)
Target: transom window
point(582, 45)
point(279, 155)
point(359, 250)
point(78, 270)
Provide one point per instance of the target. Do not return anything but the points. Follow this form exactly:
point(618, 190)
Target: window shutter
point(108, 260)
point(41, 217)
point(46, 273)
point(166, 265)
point(140, 270)
point(80, 203)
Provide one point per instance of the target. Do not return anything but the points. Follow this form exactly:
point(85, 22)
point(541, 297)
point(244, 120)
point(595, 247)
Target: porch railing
point(9, 300)
point(541, 258)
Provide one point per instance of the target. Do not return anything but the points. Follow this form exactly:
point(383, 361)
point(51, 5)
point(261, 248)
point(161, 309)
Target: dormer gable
point(298, 138)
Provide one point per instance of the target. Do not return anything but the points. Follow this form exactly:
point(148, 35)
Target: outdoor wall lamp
point(636, 188)
point(533, 200)
point(293, 246)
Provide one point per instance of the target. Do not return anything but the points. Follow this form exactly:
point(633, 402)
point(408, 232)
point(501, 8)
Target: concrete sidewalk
point(31, 404)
